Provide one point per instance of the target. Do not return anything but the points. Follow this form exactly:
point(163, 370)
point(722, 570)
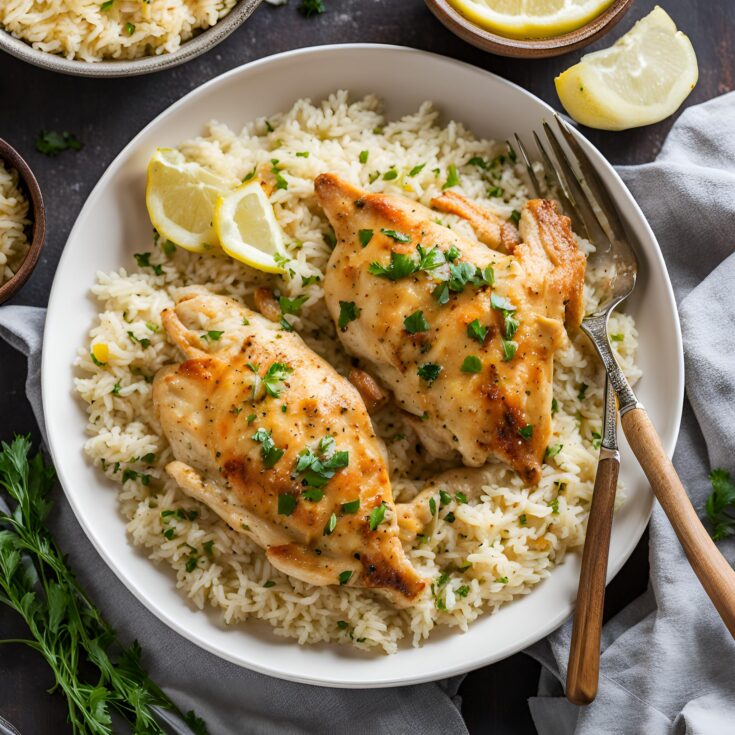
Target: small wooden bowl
point(530, 48)
point(36, 213)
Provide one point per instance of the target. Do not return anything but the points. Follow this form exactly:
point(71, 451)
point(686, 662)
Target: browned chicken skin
point(226, 432)
point(497, 404)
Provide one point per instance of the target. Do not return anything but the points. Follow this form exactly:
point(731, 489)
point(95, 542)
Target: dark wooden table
point(106, 114)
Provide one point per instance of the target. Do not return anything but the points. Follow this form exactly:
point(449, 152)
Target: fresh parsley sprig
point(720, 504)
point(65, 626)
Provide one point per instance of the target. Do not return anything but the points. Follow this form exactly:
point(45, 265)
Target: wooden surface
point(105, 114)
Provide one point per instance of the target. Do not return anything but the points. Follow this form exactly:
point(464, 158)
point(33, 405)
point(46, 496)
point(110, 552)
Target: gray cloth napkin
point(668, 662)
point(667, 665)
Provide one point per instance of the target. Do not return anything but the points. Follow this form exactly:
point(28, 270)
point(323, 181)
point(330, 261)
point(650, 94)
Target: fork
point(584, 653)
point(585, 195)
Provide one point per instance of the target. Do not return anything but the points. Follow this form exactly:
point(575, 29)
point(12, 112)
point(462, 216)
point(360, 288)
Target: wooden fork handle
point(712, 569)
point(584, 653)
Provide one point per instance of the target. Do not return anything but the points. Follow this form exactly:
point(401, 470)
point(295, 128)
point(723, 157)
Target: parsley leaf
point(331, 525)
point(429, 372)
point(365, 236)
point(390, 175)
point(460, 274)
point(441, 293)
point(344, 577)
point(318, 468)
point(509, 349)
point(515, 216)
point(416, 170)
point(476, 331)
point(720, 505)
point(395, 235)
point(416, 322)
point(213, 335)
point(452, 177)
point(291, 306)
point(501, 303)
point(582, 391)
point(348, 312)
point(526, 432)
point(269, 451)
point(429, 260)
point(51, 143)
point(352, 507)
point(400, 266)
point(377, 516)
point(471, 364)
point(286, 504)
point(363, 156)
point(552, 450)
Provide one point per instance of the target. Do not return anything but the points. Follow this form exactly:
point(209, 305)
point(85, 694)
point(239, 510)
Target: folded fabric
point(668, 662)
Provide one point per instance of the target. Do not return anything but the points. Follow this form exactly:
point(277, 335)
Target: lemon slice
point(641, 79)
point(247, 228)
point(530, 18)
point(180, 196)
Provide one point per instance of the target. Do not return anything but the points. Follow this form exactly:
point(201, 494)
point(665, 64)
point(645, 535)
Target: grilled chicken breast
point(278, 444)
point(462, 333)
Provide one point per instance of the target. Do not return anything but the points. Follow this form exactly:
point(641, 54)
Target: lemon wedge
point(180, 196)
point(642, 79)
point(247, 229)
point(530, 18)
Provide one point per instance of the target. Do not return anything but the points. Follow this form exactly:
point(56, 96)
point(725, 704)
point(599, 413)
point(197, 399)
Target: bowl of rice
point(22, 221)
point(116, 38)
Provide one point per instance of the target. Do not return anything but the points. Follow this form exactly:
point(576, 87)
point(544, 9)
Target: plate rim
point(437, 672)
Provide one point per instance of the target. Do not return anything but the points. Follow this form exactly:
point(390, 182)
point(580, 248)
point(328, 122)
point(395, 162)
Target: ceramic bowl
point(190, 49)
point(36, 213)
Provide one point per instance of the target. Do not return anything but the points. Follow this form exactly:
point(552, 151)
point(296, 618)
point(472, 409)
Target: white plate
point(113, 224)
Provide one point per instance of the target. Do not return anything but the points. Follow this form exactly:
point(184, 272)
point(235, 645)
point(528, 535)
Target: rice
point(13, 223)
point(91, 30)
point(501, 543)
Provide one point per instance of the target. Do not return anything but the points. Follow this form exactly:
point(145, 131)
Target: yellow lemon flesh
point(530, 18)
point(641, 79)
point(247, 229)
point(180, 196)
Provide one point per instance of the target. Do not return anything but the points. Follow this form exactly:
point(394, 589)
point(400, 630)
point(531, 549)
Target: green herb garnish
point(720, 505)
point(348, 312)
point(352, 507)
point(344, 577)
point(363, 156)
point(377, 515)
point(291, 306)
point(416, 322)
point(390, 175)
point(365, 236)
point(452, 177)
point(526, 432)
point(317, 468)
point(286, 504)
point(395, 235)
point(429, 372)
point(51, 143)
point(269, 451)
point(476, 331)
point(471, 364)
point(416, 169)
point(331, 525)
point(515, 216)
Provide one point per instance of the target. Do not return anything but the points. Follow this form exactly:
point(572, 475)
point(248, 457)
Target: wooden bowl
point(527, 48)
point(36, 213)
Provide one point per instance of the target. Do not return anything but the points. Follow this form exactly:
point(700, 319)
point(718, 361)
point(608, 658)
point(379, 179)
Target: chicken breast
point(463, 334)
point(277, 443)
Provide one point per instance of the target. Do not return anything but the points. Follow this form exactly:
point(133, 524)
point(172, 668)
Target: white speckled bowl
point(188, 50)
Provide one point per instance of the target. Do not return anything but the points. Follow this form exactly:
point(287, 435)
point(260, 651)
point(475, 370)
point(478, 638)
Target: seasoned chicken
point(276, 442)
point(464, 335)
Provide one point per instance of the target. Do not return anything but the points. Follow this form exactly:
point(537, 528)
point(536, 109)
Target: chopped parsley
point(461, 498)
point(331, 525)
point(720, 505)
point(596, 440)
point(400, 266)
point(116, 389)
point(554, 505)
point(213, 335)
point(395, 235)
point(344, 577)
point(501, 303)
point(432, 506)
point(509, 349)
point(390, 175)
point(374, 175)
point(462, 591)
point(495, 191)
point(268, 584)
point(429, 372)
point(477, 161)
point(452, 254)
point(471, 364)
point(552, 450)
point(460, 274)
point(377, 515)
point(416, 170)
point(476, 331)
point(281, 183)
point(363, 156)
point(449, 517)
point(526, 432)
point(286, 504)
point(441, 293)
point(502, 580)
point(285, 324)
point(416, 322)
point(272, 381)
point(143, 341)
point(168, 248)
point(616, 337)
point(129, 29)
point(554, 406)
point(352, 507)
point(250, 174)
point(365, 236)
point(515, 216)
point(343, 624)
point(452, 177)
point(291, 306)
point(269, 451)
point(348, 312)
point(523, 520)
point(444, 498)
point(302, 154)
point(318, 468)
point(582, 391)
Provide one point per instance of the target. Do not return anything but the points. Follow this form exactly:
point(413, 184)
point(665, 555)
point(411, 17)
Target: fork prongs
point(529, 168)
point(594, 182)
point(579, 199)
